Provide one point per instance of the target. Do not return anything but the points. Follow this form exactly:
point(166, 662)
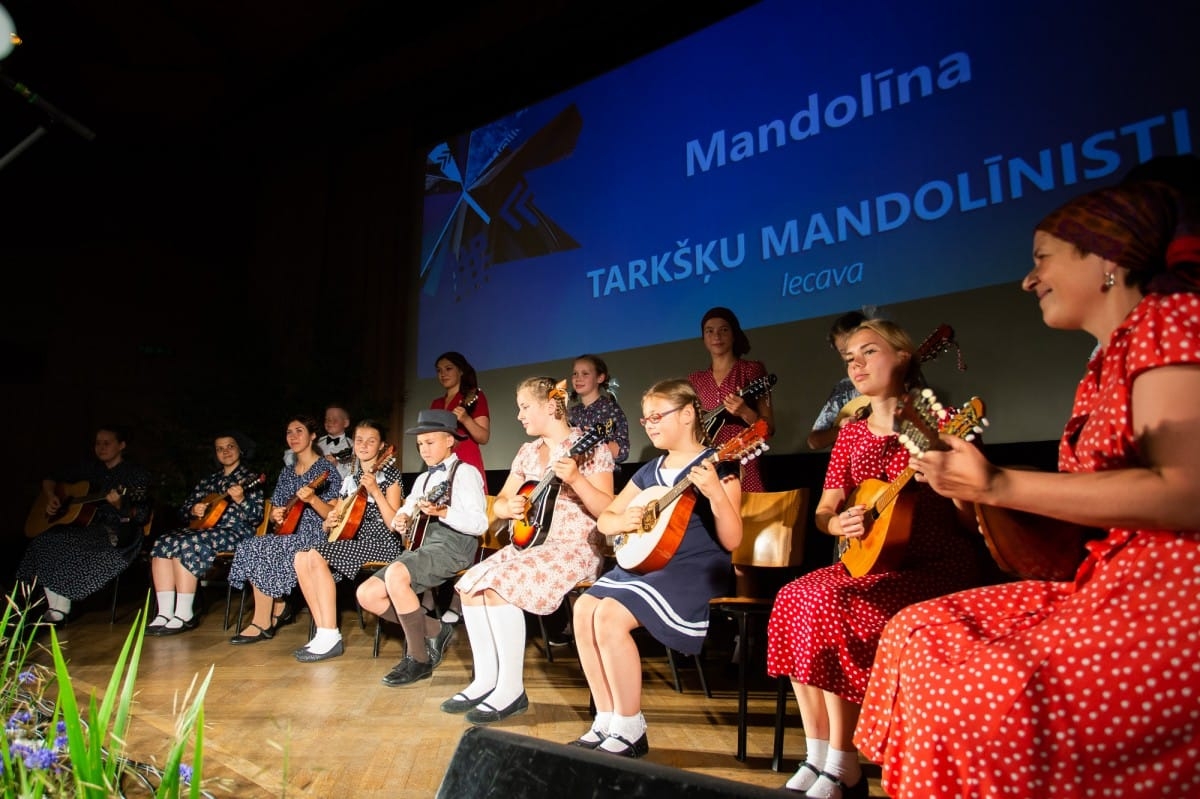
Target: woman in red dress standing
point(717, 386)
point(824, 626)
point(1089, 686)
point(465, 400)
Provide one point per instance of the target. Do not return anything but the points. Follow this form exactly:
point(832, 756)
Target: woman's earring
point(1110, 280)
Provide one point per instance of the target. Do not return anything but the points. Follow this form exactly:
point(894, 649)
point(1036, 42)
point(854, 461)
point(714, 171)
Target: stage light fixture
point(8, 34)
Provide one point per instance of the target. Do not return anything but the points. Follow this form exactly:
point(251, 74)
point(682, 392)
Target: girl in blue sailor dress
point(267, 562)
point(671, 602)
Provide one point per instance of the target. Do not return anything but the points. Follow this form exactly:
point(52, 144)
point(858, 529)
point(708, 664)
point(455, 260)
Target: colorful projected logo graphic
point(480, 211)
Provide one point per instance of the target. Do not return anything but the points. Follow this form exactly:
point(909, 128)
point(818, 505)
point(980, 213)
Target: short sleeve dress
point(536, 579)
point(374, 540)
point(1060, 689)
point(266, 561)
point(604, 411)
point(824, 626)
point(672, 602)
point(467, 450)
point(197, 549)
point(712, 395)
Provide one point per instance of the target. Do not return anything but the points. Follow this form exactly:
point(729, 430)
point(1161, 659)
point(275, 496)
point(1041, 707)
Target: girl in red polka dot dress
point(824, 626)
point(1088, 687)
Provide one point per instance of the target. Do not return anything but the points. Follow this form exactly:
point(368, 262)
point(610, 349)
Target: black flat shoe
point(437, 645)
point(407, 672)
point(263, 635)
point(486, 714)
point(456, 705)
point(307, 656)
point(638, 748)
point(186, 626)
point(859, 790)
point(285, 617)
point(583, 743)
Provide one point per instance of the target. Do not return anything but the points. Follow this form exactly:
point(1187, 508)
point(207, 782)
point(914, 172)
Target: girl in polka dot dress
point(824, 626)
point(1087, 687)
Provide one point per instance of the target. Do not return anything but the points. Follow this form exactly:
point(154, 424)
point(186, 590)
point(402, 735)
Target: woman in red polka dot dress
point(824, 626)
point(1088, 687)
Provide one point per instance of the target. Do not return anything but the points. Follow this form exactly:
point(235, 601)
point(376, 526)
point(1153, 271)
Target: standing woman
point(717, 386)
point(466, 401)
point(672, 602)
point(825, 626)
point(71, 562)
point(497, 592)
point(321, 567)
point(267, 562)
point(595, 404)
point(181, 557)
point(1087, 686)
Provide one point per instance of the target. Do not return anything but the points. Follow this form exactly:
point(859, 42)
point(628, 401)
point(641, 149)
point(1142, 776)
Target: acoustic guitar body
point(651, 549)
point(881, 549)
point(1033, 547)
point(532, 530)
point(295, 508)
point(78, 507)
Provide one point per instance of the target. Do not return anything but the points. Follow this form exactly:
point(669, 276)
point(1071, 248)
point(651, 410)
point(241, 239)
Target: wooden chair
point(773, 529)
point(494, 538)
point(142, 556)
point(219, 571)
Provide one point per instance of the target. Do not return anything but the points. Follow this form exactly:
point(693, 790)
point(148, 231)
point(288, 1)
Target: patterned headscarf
point(1145, 227)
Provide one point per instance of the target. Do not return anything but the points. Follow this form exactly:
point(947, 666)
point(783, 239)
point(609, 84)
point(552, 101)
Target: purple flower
point(26, 677)
point(185, 773)
point(41, 759)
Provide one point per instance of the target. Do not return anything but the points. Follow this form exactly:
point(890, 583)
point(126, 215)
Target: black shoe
point(155, 626)
point(437, 645)
point(583, 743)
point(859, 790)
point(638, 748)
point(456, 705)
point(559, 639)
point(486, 714)
point(308, 656)
point(285, 617)
point(189, 624)
point(263, 635)
point(408, 671)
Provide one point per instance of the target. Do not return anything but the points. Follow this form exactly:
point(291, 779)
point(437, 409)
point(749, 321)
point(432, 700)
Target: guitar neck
point(674, 491)
point(893, 490)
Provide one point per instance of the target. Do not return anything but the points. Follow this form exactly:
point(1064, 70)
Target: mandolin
point(532, 528)
point(1033, 547)
point(295, 508)
point(217, 504)
point(78, 507)
point(666, 510)
point(351, 508)
point(889, 514)
point(435, 496)
point(937, 342)
point(713, 420)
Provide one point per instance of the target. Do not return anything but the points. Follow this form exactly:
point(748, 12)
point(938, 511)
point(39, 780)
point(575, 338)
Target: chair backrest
point(149, 523)
point(773, 528)
point(266, 519)
point(496, 535)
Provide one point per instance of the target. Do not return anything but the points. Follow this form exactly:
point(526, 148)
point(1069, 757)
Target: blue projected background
point(791, 165)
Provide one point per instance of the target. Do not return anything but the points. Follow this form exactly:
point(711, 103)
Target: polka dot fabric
point(1088, 688)
point(824, 626)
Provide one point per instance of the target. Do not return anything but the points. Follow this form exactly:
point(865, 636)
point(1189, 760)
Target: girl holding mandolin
point(497, 592)
point(1084, 686)
point(825, 626)
point(302, 499)
point(359, 534)
point(670, 602)
point(224, 509)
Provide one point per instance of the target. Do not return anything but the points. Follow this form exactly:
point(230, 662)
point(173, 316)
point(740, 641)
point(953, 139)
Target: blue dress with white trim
point(672, 602)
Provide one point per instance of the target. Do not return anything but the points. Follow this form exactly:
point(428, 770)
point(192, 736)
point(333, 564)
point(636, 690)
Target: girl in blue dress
point(671, 602)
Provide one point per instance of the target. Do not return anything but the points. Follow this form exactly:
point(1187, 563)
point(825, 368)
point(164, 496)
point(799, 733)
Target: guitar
point(531, 529)
point(937, 342)
point(295, 508)
point(666, 510)
point(217, 503)
point(78, 507)
point(351, 509)
point(889, 514)
point(1033, 547)
point(434, 496)
point(713, 420)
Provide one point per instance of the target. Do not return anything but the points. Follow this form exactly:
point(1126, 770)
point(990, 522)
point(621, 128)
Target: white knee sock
point(483, 652)
point(842, 765)
point(57, 602)
point(631, 728)
point(814, 755)
point(323, 640)
point(166, 604)
point(508, 631)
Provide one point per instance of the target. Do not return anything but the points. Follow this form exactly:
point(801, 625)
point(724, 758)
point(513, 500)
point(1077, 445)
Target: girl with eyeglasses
point(670, 602)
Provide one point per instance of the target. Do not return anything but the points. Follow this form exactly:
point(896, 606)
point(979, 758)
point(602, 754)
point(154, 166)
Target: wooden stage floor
point(276, 727)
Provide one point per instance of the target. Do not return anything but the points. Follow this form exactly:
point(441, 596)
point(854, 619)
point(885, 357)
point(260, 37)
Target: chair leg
point(781, 699)
point(378, 635)
point(228, 603)
point(116, 589)
point(674, 670)
point(703, 679)
point(742, 689)
point(545, 639)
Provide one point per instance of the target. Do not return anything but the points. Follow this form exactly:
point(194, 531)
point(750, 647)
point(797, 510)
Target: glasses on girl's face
point(655, 418)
